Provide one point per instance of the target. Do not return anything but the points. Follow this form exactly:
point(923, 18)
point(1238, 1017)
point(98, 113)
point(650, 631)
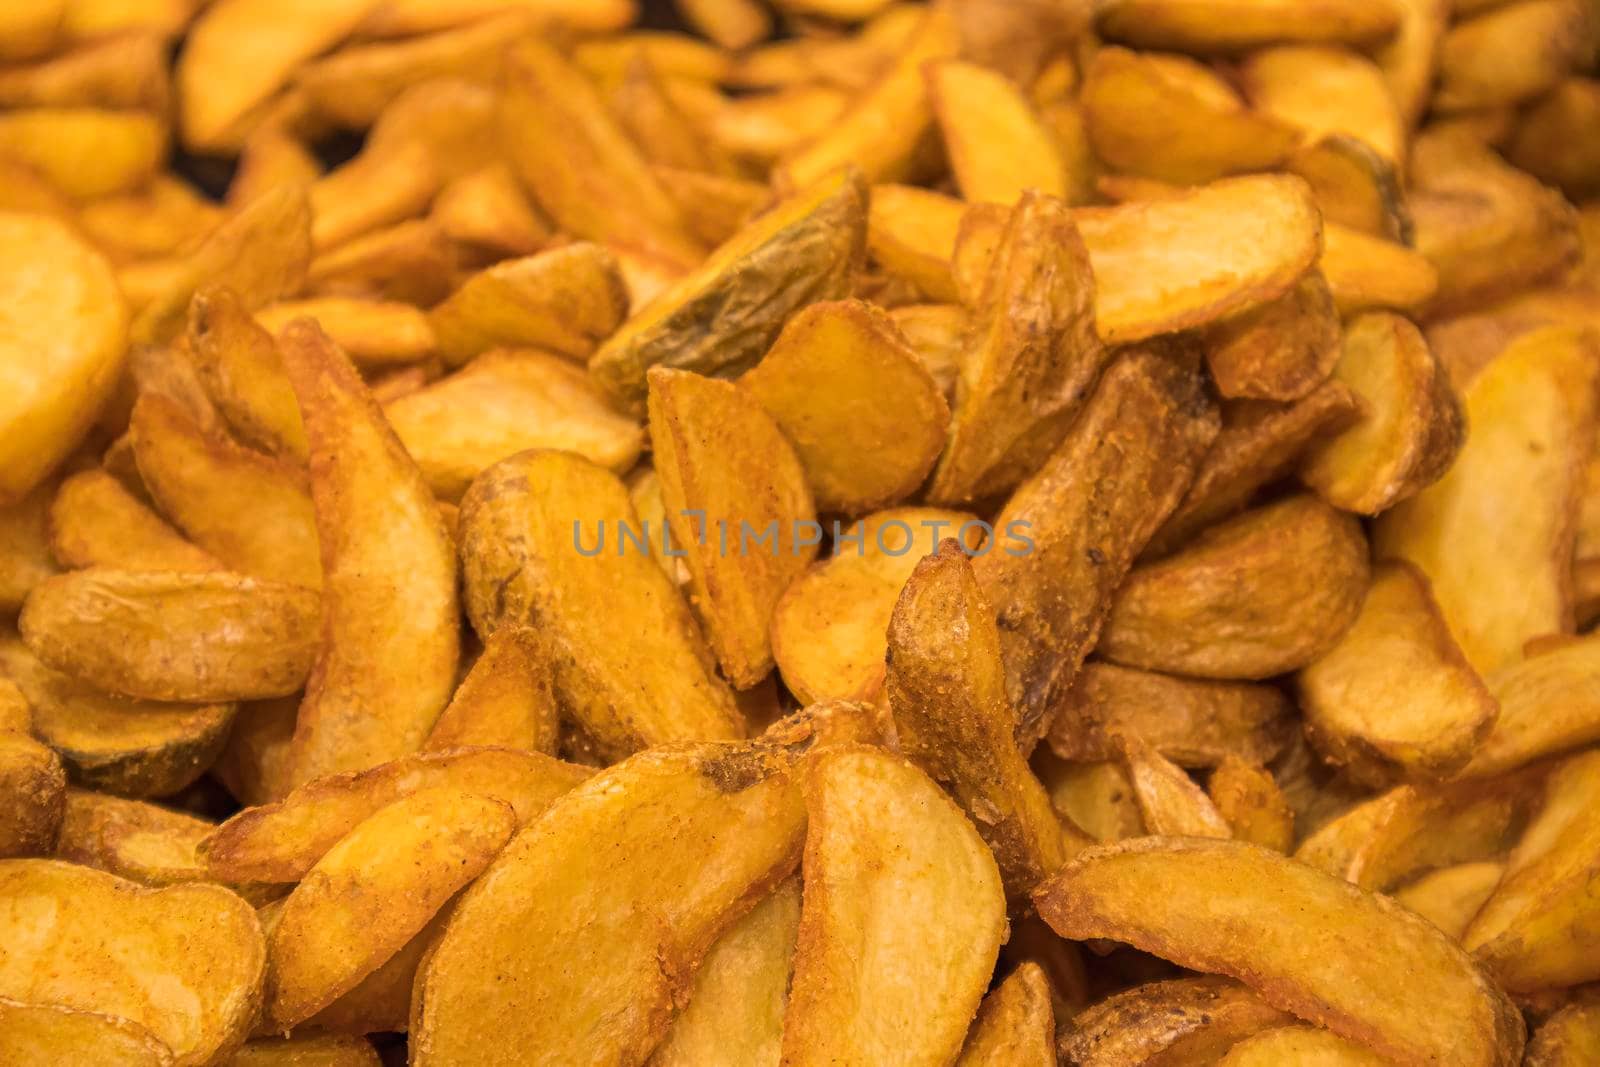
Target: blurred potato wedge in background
point(32, 776)
point(1204, 27)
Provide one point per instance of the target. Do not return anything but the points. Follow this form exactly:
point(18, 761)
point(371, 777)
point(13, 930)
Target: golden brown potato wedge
point(373, 333)
point(485, 209)
point(610, 900)
point(389, 575)
point(127, 147)
point(1085, 515)
point(1096, 797)
point(312, 1050)
point(1568, 1038)
point(505, 402)
point(96, 521)
point(1512, 53)
point(1548, 704)
point(254, 764)
point(721, 318)
point(822, 381)
point(911, 233)
point(25, 551)
point(524, 563)
point(1251, 803)
point(1555, 140)
point(160, 220)
point(1354, 186)
point(31, 779)
point(721, 459)
point(1326, 90)
point(1279, 351)
point(163, 635)
point(1366, 272)
point(898, 930)
point(48, 1033)
point(239, 365)
point(1205, 904)
point(1204, 26)
point(416, 260)
point(1303, 1045)
point(1450, 896)
point(997, 144)
point(507, 699)
point(184, 963)
point(1410, 58)
point(1170, 803)
point(1502, 575)
point(1184, 1020)
point(1395, 697)
point(1015, 1026)
point(1260, 594)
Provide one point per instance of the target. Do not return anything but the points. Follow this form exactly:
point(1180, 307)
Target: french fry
point(869, 981)
point(1505, 577)
point(590, 909)
point(107, 940)
point(1279, 351)
point(1220, 608)
point(1191, 1020)
point(46, 1033)
point(1442, 1006)
point(1512, 53)
point(1547, 705)
point(1250, 802)
point(1015, 1026)
point(380, 534)
point(997, 143)
point(1450, 896)
point(523, 565)
point(32, 777)
point(1170, 803)
point(1325, 90)
point(1354, 186)
point(507, 699)
point(721, 318)
point(1300, 1044)
point(1204, 27)
point(1087, 512)
point(96, 521)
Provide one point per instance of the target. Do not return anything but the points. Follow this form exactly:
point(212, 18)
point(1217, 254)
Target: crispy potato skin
point(1184, 1019)
point(33, 785)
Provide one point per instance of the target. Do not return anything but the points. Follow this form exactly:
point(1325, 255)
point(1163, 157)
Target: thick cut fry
point(1169, 117)
point(1032, 358)
point(1395, 698)
point(374, 890)
point(134, 748)
point(1304, 1046)
point(1170, 803)
point(96, 521)
point(721, 318)
point(238, 363)
point(1354, 186)
point(1263, 593)
point(507, 699)
point(1450, 896)
point(911, 233)
point(734, 1017)
point(1281, 350)
point(828, 628)
point(1156, 264)
point(1185, 1020)
point(946, 686)
point(31, 779)
point(1512, 53)
point(565, 300)
point(1250, 801)
point(250, 511)
point(1206, 26)
point(61, 344)
point(184, 963)
point(1299, 937)
point(389, 576)
point(1494, 535)
point(998, 146)
point(280, 842)
point(721, 458)
point(1410, 430)
point(899, 928)
point(600, 913)
point(1548, 704)
point(47, 1033)
point(822, 382)
point(1326, 90)
point(1086, 514)
point(1015, 1026)
point(505, 402)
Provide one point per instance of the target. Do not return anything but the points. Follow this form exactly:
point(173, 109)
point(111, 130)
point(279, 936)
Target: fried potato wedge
point(374, 890)
point(1568, 1038)
point(610, 900)
point(721, 458)
point(243, 374)
point(997, 144)
point(1450, 896)
point(389, 576)
point(1171, 118)
point(31, 779)
point(1031, 359)
point(898, 930)
point(946, 685)
point(1366, 272)
point(1015, 1026)
point(63, 347)
point(132, 839)
point(1324, 90)
point(523, 565)
point(505, 402)
point(828, 627)
point(280, 842)
point(722, 317)
point(1250, 801)
point(1306, 1046)
point(1395, 697)
point(1554, 141)
point(507, 699)
point(184, 963)
point(1170, 803)
point(417, 260)
point(1266, 592)
point(820, 382)
point(1191, 721)
point(25, 551)
point(1183, 1020)
point(1354, 186)
point(313, 1050)
point(1548, 704)
point(734, 1017)
point(1087, 513)
point(485, 209)
point(96, 521)
point(1410, 431)
point(1203, 26)
point(160, 635)
point(911, 234)
point(1156, 265)
point(1502, 575)
point(373, 333)
point(132, 747)
point(126, 147)
point(1301, 938)
point(1281, 350)
point(48, 1033)
point(1512, 53)
point(1096, 797)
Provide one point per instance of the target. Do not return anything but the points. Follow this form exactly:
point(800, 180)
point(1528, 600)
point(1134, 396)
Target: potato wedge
point(1354, 186)
point(525, 563)
point(1568, 1038)
point(1547, 705)
point(946, 686)
point(416, 260)
point(998, 145)
point(1015, 1026)
point(1205, 26)
point(1554, 142)
point(1086, 514)
point(588, 911)
point(238, 363)
point(25, 552)
point(721, 458)
point(1096, 797)
point(1366, 272)
point(86, 152)
point(734, 1017)
point(131, 747)
point(373, 333)
point(63, 347)
point(1326, 90)
point(1170, 803)
point(1299, 937)
point(1221, 608)
point(1503, 575)
point(1031, 360)
point(96, 521)
point(1252, 804)
point(380, 534)
point(507, 699)
point(722, 317)
point(911, 234)
point(184, 963)
point(1155, 264)
point(254, 764)
point(1512, 53)
point(898, 931)
point(31, 780)
point(1410, 58)
point(47, 1033)
point(325, 1050)
point(1279, 351)
point(153, 635)
point(1184, 1020)
point(1450, 896)
point(1306, 1046)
